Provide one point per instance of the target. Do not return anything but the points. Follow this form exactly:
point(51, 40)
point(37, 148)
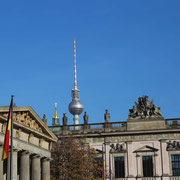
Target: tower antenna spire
point(75, 106)
point(75, 75)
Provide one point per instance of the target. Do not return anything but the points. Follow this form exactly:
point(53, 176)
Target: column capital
point(25, 152)
point(107, 143)
point(16, 150)
point(46, 159)
point(128, 142)
point(35, 156)
point(163, 140)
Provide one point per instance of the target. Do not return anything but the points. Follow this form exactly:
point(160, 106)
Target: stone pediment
point(146, 149)
point(26, 118)
point(144, 109)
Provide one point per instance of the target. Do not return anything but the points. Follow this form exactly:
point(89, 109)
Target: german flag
point(5, 154)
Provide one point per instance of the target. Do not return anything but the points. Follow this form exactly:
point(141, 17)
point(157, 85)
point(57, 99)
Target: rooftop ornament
point(144, 108)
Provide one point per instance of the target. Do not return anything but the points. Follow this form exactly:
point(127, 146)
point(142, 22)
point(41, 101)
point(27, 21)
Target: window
point(99, 172)
point(147, 166)
point(119, 167)
point(175, 161)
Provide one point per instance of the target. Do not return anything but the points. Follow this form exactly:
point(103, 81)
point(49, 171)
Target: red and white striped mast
point(75, 75)
point(75, 106)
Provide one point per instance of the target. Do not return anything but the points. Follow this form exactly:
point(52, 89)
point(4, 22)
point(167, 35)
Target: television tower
point(75, 107)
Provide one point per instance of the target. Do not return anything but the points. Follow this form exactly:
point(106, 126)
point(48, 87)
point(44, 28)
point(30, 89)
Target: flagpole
point(11, 155)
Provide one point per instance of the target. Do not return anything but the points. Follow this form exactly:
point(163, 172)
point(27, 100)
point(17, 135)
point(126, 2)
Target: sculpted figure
point(85, 117)
point(116, 148)
point(4, 127)
point(107, 116)
point(30, 138)
point(175, 145)
point(133, 112)
point(44, 119)
point(18, 117)
point(144, 109)
point(18, 133)
point(65, 119)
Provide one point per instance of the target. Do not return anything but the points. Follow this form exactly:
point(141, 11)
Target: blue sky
point(125, 49)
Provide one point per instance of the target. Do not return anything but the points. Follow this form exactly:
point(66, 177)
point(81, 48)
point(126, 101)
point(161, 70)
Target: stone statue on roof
point(107, 116)
point(85, 117)
point(65, 119)
point(144, 109)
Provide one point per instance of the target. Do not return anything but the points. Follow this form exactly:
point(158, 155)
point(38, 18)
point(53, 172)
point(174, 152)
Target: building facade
point(32, 141)
point(146, 146)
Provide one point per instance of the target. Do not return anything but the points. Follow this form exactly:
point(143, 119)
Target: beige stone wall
point(133, 159)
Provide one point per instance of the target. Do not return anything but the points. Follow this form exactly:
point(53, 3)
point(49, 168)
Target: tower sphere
point(76, 107)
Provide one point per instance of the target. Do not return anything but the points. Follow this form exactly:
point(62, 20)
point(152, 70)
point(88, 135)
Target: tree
point(73, 159)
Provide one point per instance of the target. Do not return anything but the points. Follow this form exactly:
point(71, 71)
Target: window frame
point(113, 155)
point(170, 161)
point(152, 165)
point(153, 154)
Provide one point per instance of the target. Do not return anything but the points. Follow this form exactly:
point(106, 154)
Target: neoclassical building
point(32, 141)
point(145, 147)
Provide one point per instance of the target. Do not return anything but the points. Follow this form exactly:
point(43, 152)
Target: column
point(131, 160)
point(15, 151)
point(165, 159)
point(8, 167)
point(106, 159)
point(1, 162)
point(24, 166)
point(45, 169)
point(36, 168)
point(138, 165)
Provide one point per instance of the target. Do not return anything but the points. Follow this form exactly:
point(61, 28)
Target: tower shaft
point(75, 75)
point(75, 107)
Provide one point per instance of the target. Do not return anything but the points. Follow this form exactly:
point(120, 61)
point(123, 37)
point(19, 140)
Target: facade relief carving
point(4, 127)
point(30, 138)
point(172, 146)
point(41, 142)
point(144, 137)
point(117, 139)
point(24, 118)
point(18, 133)
point(117, 148)
point(144, 108)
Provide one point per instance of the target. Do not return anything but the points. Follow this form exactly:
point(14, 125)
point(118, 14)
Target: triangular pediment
point(26, 118)
point(146, 149)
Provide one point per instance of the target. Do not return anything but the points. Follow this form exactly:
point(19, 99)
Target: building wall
point(134, 150)
point(32, 141)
